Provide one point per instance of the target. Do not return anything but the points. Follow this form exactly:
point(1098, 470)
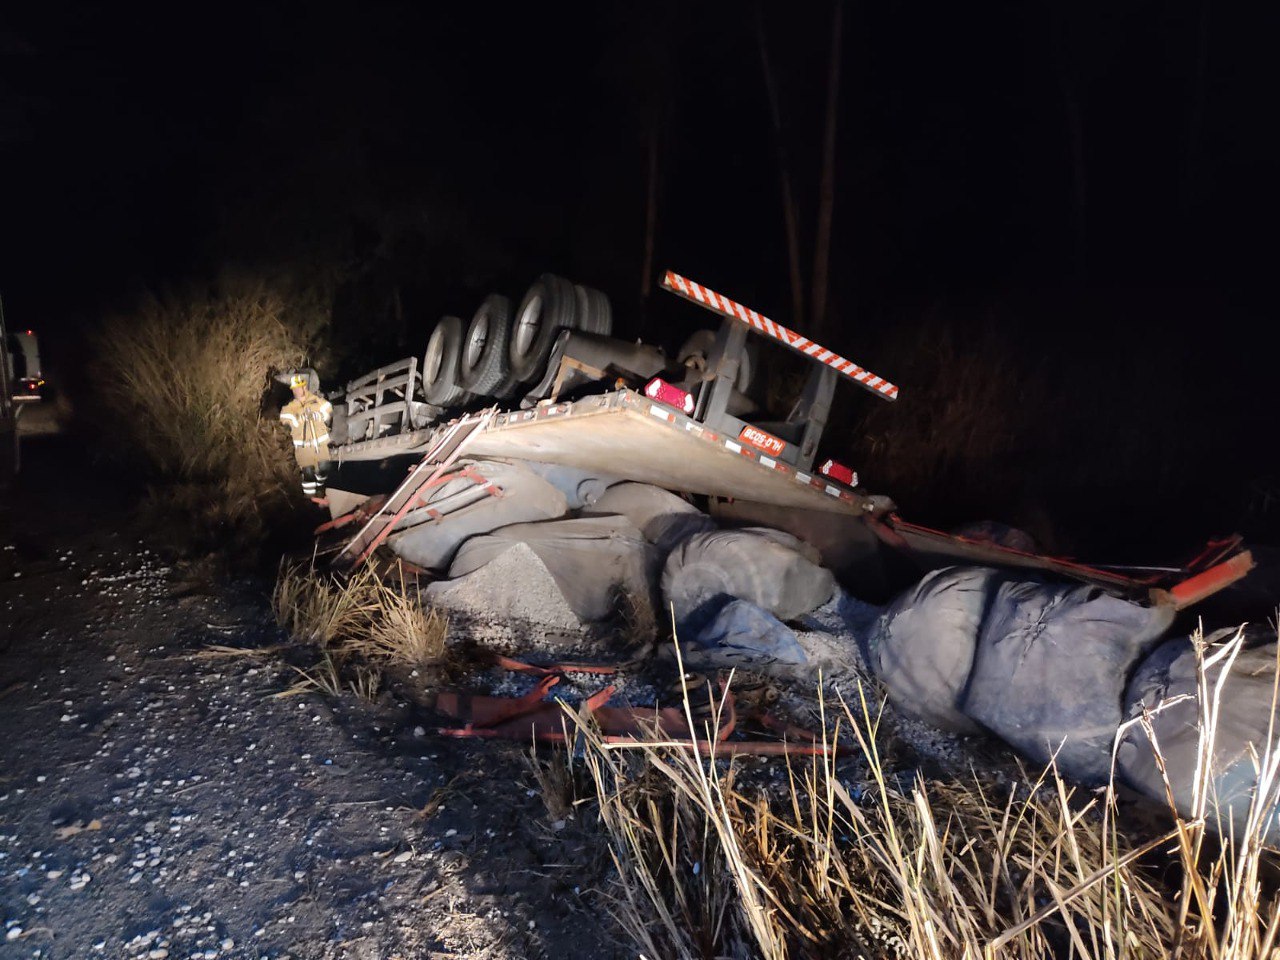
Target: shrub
point(182, 382)
point(972, 408)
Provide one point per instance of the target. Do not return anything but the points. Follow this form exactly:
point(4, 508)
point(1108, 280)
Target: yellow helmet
point(298, 380)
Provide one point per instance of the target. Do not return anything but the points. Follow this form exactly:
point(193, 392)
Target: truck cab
point(8, 409)
point(26, 375)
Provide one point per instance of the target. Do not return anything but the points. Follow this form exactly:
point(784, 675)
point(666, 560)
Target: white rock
point(403, 857)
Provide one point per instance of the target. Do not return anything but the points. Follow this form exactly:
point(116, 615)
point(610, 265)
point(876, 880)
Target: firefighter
point(307, 416)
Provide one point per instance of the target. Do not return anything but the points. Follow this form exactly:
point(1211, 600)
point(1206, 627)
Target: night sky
point(1097, 180)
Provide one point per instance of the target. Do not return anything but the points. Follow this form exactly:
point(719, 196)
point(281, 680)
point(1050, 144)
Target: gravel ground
point(159, 802)
point(154, 803)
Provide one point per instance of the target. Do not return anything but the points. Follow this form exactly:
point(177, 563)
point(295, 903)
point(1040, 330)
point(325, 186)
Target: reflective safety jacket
point(308, 421)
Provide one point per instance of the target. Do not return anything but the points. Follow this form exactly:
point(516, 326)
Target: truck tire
point(483, 366)
point(542, 389)
point(595, 314)
point(549, 306)
point(440, 364)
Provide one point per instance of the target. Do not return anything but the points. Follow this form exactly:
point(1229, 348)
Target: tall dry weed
point(849, 862)
point(181, 382)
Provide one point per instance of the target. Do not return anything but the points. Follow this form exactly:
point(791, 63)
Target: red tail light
point(839, 473)
point(658, 389)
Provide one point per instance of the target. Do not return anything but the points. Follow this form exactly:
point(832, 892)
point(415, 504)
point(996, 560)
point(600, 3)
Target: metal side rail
point(1220, 564)
point(444, 451)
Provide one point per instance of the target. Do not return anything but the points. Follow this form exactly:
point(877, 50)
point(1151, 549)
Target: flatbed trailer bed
point(626, 436)
point(623, 435)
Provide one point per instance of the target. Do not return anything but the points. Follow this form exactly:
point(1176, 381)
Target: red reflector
point(658, 389)
point(839, 473)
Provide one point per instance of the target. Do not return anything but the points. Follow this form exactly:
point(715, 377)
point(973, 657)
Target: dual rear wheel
point(500, 349)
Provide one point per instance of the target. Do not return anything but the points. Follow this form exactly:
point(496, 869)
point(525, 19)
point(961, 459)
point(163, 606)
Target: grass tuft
point(319, 608)
point(359, 624)
point(555, 780)
point(324, 677)
point(402, 630)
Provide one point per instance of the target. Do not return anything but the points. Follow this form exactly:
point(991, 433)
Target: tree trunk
point(1062, 41)
point(1195, 114)
point(1079, 195)
point(826, 195)
point(790, 212)
point(650, 220)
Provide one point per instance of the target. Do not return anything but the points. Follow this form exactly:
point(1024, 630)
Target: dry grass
point(402, 630)
point(324, 678)
point(936, 870)
point(358, 616)
point(359, 624)
point(319, 608)
point(365, 683)
point(220, 651)
point(181, 382)
point(555, 780)
point(637, 622)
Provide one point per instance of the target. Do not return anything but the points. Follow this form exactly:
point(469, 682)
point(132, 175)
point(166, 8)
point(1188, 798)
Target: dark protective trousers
point(313, 479)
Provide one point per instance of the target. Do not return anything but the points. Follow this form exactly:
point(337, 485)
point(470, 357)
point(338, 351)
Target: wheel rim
point(477, 337)
point(527, 326)
point(435, 356)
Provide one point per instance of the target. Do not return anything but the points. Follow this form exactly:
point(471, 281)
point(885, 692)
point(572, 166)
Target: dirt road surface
point(154, 803)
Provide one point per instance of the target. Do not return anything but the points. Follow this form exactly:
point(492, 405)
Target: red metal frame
point(1199, 580)
point(1207, 583)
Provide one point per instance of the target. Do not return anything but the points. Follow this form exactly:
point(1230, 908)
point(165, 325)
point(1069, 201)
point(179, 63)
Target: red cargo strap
point(530, 716)
point(519, 666)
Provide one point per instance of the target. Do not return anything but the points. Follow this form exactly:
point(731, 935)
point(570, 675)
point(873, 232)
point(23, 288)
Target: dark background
point(1078, 199)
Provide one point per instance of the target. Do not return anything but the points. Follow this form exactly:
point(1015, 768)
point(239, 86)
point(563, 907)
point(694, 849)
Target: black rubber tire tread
point(490, 376)
point(542, 389)
point(558, 310)
point(444, 390)
point(595, 313)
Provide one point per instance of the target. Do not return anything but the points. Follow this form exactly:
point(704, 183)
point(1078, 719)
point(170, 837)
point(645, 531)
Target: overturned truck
point(531, 439)
point(524, 413)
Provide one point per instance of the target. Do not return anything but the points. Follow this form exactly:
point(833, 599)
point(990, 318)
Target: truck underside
point(601, 413)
